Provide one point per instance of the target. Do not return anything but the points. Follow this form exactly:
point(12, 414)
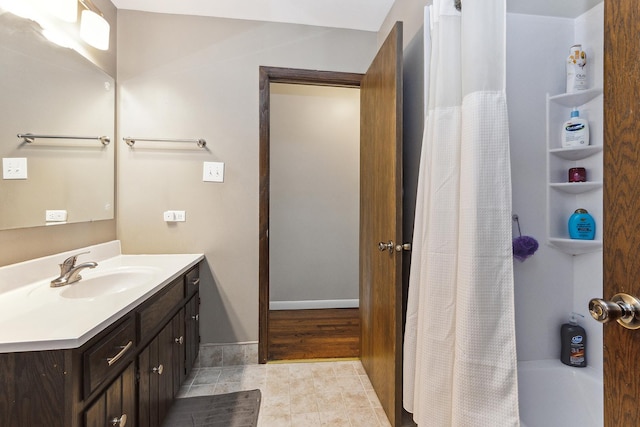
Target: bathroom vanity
point(92, 354)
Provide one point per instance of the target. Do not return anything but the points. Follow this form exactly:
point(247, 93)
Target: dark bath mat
point(239, 409)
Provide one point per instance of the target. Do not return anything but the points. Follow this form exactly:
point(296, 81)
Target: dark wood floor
point(314, 334)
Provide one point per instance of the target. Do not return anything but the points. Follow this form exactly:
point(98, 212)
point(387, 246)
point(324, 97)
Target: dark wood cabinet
point(108, 355)
point(179, 344)
point(158, 369)
point(132, 370)
point(192, 334)
point(117, 405)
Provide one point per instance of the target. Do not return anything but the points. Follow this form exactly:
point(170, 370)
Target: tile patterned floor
point(336, 394)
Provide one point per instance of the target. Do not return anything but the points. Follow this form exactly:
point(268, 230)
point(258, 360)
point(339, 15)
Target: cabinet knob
point(195, 282)
point(179, 340)
point(196, 317)
point(120, 422)
point(158, 370)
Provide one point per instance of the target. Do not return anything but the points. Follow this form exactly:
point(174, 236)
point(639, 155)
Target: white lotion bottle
point(575, 131)
point(576, 69)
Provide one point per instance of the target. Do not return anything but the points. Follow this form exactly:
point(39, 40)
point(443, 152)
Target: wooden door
point(381, 221)
point(621, 235)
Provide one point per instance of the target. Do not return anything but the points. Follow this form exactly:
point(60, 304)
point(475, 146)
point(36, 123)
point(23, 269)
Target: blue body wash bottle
point(582, 225)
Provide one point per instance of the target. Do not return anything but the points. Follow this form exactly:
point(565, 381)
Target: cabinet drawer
point(108, 355)
point(152, 314)
point(192, 281)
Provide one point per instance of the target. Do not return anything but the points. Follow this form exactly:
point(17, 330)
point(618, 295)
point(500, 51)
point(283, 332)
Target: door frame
point(270, 75)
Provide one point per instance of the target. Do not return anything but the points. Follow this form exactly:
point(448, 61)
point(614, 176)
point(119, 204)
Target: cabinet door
point(179, 346)
point(117, 405)
point(192, 331)
point(165, 380)
point(155, 392)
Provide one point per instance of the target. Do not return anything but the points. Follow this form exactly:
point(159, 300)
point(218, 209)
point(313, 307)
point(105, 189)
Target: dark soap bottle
point(573, 351)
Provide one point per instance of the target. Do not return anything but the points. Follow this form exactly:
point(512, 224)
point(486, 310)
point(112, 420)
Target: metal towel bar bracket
point(30, 137)
point(131, 141)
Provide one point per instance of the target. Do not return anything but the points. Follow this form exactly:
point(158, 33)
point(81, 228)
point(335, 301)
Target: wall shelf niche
point(563, 198)
point(576, 187)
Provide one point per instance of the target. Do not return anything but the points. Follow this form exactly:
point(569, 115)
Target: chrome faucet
point(70, 272)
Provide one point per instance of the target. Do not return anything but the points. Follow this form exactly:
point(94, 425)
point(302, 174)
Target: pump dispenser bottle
point(575, 131)
point(576, 69)
point(573, 348)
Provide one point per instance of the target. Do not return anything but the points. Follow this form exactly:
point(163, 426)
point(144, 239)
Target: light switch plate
point(213, 172)
point(14, 168)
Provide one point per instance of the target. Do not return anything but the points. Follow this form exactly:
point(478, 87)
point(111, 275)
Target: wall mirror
point(50, 90)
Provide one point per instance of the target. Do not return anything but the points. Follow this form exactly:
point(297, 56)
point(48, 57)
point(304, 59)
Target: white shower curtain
point(459, 349)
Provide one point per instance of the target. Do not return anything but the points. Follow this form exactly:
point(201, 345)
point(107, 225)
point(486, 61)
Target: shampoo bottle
point(575, 131)
point(573, 343)
point(582, 225)
point(576, 69)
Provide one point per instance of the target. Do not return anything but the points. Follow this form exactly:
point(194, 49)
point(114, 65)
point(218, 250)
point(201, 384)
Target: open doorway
point(309, 214)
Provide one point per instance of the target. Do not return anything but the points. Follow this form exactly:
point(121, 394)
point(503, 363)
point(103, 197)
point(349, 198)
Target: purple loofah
point(524, 247)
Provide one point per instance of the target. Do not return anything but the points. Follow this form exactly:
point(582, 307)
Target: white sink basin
point(109, 282)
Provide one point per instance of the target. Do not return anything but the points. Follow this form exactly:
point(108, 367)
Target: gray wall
point(314, 187)
point(197, 77)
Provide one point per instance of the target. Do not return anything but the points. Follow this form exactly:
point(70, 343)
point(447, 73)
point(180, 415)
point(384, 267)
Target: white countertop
point(35, 316)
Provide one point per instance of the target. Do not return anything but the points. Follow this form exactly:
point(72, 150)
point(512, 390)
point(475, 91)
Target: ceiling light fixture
point(94, 29)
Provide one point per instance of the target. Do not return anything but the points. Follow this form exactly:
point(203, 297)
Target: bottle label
point(575, 134)
point(572, 127)
point(577, 350)
point(577, 355)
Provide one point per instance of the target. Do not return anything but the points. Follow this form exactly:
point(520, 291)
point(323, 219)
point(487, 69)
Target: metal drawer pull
point(179, 340)
point(120, 422)
point(196, 317)
point(114, 359)
point(158, 370)
point(195, 282)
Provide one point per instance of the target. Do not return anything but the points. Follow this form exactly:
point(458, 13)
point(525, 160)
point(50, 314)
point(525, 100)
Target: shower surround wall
point(550, 284)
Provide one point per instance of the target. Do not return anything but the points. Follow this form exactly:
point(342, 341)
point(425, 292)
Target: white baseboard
point(309, 304)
